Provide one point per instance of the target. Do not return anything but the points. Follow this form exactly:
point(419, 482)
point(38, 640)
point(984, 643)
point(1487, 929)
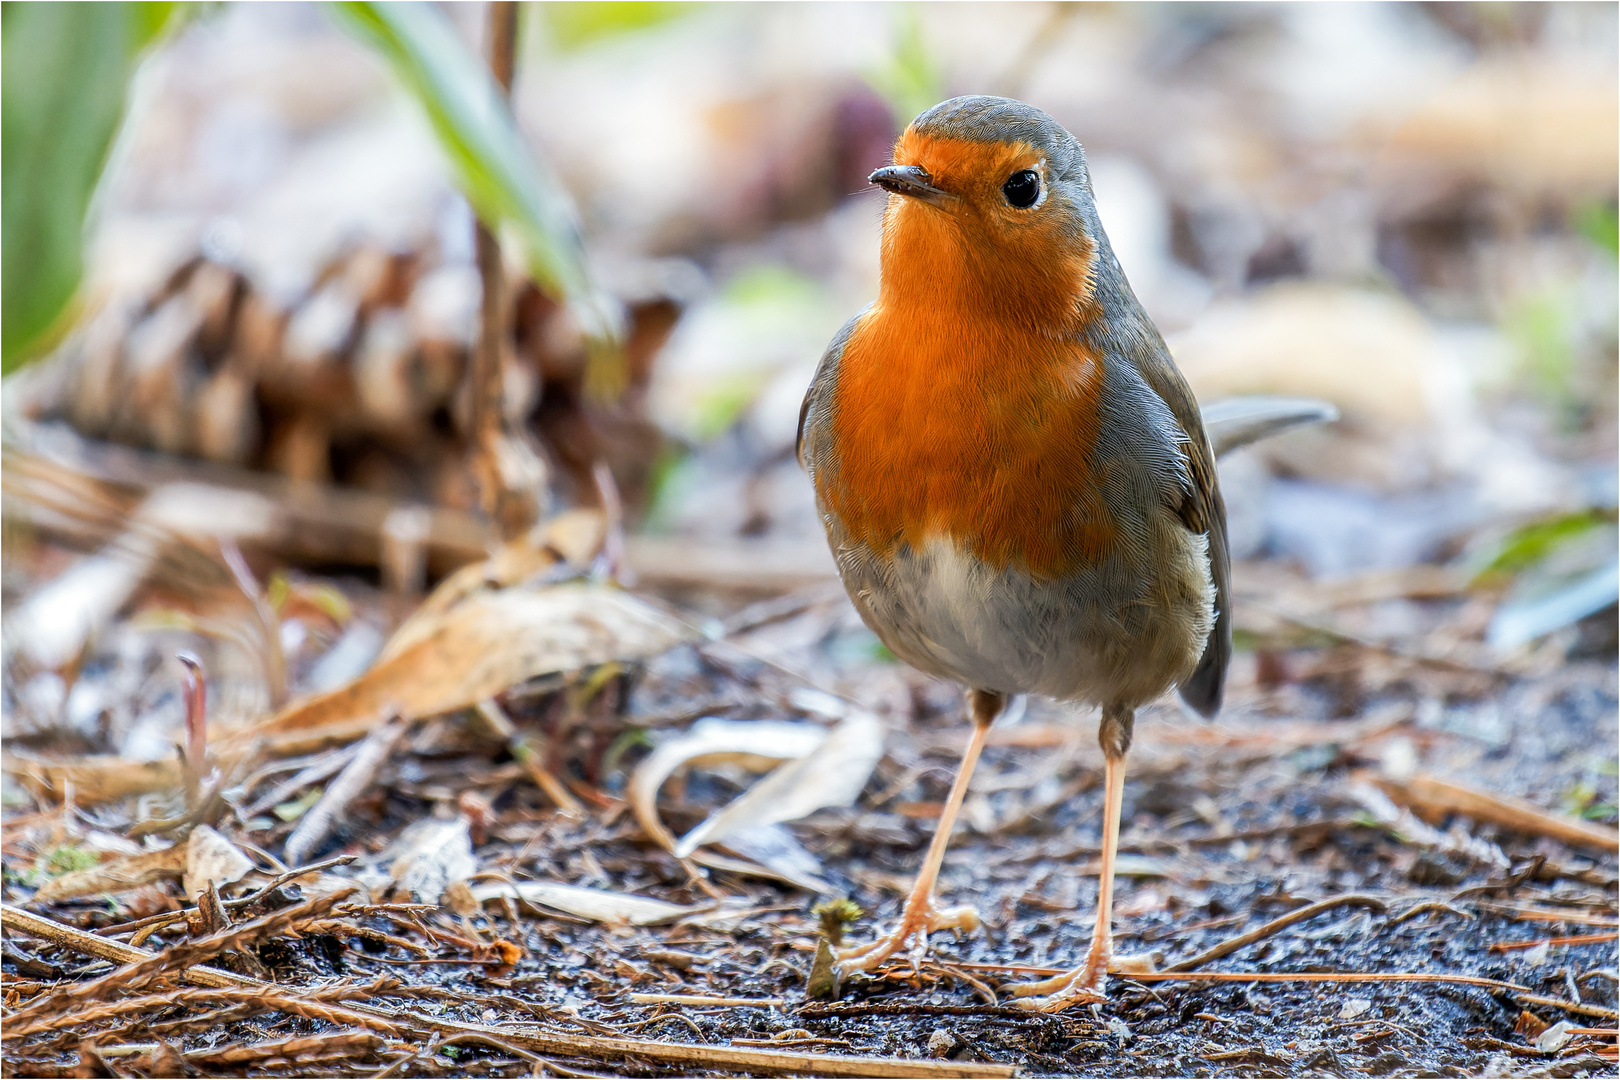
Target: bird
point(1013, 475)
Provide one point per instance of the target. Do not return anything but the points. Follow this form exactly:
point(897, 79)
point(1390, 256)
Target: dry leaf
point(824, 768)
point(833, 774)
point(96, 778)
point(778, 851)
point(756, 745)
point(212, 860)
point(488, 643)
point(573, 537)
point(598, 905)
point(430, 856)
point(119, 875)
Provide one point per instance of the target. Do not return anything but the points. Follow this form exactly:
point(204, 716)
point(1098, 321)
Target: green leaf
point(912, 80)
point(1532, 543)
point(575, 25)
point(511, 190)
point(64, 76)
point(1600, 223)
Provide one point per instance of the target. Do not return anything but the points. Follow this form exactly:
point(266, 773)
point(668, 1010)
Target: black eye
point(1022, 189)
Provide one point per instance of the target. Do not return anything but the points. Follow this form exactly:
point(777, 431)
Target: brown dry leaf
point(430, 856)
point(598, 905)
point(824, 768)
point(96, 778)
point(755, 745)
point(119, 875)
point(488, 643)
point(573, 537)
point(212, 860)
point(832, 774)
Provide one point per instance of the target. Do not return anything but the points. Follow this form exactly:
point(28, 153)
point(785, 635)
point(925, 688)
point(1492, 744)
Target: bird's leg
point(1086, 983)
point(922, 916)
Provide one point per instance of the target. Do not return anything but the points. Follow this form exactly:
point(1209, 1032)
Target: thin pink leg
point(921, 915)
point(1086, 983)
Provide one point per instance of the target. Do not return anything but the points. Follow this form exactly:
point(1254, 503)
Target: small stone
point(941, 1043)
point(1354, 1007)
point(1554, 1038)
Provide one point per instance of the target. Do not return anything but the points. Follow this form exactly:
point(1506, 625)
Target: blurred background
point(1408, 210)
point(268, 385)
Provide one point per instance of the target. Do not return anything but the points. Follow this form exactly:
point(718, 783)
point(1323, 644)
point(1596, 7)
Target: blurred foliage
point(1600, 223)
point(912, 79)
point(1543, 328)
point(66, 72)
point(1532, 544)
point(65, 859)
point(286, 596)
point(1584, 800)
point(511, 190)
point(574, 25)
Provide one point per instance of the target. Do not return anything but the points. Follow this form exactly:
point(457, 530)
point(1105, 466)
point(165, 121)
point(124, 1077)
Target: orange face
point(1031, 264)
point(966, 403)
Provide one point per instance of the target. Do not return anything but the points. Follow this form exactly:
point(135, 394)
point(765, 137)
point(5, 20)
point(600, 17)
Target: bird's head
point(993, 209)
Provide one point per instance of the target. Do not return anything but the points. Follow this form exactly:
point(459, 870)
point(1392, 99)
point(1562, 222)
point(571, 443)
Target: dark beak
point(912, 181)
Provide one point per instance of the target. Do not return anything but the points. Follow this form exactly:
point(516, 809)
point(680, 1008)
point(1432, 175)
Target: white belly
point(1117, 633)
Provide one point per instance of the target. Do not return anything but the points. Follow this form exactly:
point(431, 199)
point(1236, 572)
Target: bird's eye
point(1022, 189)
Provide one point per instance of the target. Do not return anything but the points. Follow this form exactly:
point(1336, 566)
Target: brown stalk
point(345, 1043)
point(101, 948)
point(196, 764)
point(1433, 795)
point(356, 776)
point(181, 960)
point(1259, 933)
point(505, 462)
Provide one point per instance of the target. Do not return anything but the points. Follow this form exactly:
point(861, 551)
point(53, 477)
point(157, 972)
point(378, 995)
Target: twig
point(196, 763)
point(343, 1042)
point(692, 1057)
point(1233, 944)
point(700, 999)
point(1578, 939)
point(1545, 915)
point(529, 751)
point(257, 999)
point(101, 948)
point(356, 776)
point(1569, 1006)
point(818, 1011)
point(324, 766)
point(1277, 976)
point(1426, 907)
point(1444, 796)
point(183, 958)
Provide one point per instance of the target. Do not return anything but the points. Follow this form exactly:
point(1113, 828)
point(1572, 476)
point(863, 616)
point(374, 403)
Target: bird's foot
point(917, 921)
point(1085, 985)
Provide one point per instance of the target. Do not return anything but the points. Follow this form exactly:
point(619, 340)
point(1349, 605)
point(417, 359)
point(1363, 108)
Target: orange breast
point(974, 431)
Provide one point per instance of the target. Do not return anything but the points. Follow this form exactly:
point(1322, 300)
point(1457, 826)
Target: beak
point(911, 180)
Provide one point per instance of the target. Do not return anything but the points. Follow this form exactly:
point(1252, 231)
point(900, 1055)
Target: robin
point(1013, 475)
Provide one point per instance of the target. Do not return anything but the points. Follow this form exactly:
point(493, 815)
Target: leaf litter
point(552, 826)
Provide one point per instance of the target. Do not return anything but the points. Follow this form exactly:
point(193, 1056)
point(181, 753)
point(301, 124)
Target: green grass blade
point(64, 74)
point(510, 189)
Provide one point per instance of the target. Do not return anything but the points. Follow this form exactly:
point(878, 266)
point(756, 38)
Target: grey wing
point(821, 384)
point(1203, 511)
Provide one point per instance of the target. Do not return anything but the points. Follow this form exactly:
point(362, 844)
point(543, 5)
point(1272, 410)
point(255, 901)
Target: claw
point(1082, 986)
point(916, 923)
